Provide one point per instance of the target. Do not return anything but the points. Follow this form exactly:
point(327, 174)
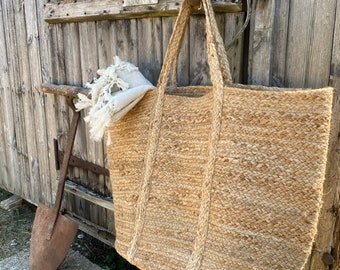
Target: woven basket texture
point(219, 179)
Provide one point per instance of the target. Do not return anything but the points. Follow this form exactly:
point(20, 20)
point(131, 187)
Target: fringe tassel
point(119, 87)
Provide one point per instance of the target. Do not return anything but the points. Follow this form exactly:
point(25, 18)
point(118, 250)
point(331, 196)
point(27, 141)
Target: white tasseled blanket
point(118, 89)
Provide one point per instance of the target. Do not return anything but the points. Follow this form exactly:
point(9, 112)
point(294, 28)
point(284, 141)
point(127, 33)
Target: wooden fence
point(287, 43)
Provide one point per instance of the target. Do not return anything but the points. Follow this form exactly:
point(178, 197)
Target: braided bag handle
point(219, 75)
point(218, 42)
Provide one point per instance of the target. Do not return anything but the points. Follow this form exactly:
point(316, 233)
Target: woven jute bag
point(225, 176)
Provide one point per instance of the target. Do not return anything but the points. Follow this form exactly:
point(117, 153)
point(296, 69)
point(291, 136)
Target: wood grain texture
point(298, 47)
point(261, 42)
point(321, 41)
point(41, 163)
point(43, 51)
point(199, 68)
point(279, 46)
point(106, 36)
point(150, 38)
point(8, 128)
point(89, 195)
point(232, 25)
point(107, 9)
point(19, 147)
point(94, 150)
point(27, 117)
point(35, 53)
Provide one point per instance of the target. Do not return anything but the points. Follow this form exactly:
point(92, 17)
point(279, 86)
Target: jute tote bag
point(218, 177)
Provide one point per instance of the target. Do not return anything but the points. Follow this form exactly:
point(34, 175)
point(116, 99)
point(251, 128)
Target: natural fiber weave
point(221, 177)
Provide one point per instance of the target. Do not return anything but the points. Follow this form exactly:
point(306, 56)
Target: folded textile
point(112, 95)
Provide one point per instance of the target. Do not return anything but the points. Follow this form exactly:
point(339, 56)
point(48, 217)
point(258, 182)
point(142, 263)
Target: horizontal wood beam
point(64, 90)
point(11, 203)
point(102, 234)
point(109, 10)
point(86, 194)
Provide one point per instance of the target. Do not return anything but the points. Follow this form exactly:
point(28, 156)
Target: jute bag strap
point(217, 78)
point(222, 54)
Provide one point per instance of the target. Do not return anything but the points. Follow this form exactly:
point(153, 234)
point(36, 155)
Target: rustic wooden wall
point(67, 52)
point(291, 43)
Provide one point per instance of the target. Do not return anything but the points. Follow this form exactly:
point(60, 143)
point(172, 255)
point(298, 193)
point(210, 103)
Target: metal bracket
point(77, 162)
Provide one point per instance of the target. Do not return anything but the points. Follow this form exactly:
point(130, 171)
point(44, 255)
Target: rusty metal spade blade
point(49, 254)
point(52, 233)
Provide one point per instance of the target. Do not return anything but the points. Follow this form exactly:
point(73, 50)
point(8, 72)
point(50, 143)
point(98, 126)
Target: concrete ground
point(73, 261)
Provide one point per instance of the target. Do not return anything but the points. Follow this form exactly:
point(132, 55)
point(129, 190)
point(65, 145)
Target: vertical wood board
point(16, 95)
point(260, 49)
point(279, 45)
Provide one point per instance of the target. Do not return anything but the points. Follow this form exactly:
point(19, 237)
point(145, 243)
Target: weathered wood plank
point(127, 40)
point(60, 51)
point(279, 44)
point(89, 195)
point(321, 41)
point(29, 56)
point(64, 90)
point(261, 34)
point(18, 143)
point(301, 17)
point(126, 46)
point(41, 163)
point(8, 131)
point(104, 235)
point(131, 3)
point(199, 68)
point(59, 113)
point(71, 52)
point(232, 24)
point(45, 47)
point(149, 49)
point(11, 203)
point(106, 33)
point(107, 9)
point(167, 28)
point(4, 177)
point(106, 36)
point(58, 71)
point(89, 66)
point(74, 77)
point(28, 140)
